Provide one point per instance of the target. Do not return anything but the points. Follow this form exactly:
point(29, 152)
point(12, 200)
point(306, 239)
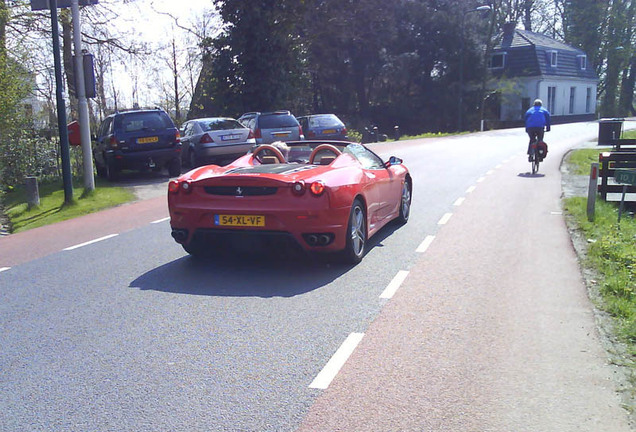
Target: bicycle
point(537, 154)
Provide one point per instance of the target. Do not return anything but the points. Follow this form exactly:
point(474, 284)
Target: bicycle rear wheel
point(535, 163)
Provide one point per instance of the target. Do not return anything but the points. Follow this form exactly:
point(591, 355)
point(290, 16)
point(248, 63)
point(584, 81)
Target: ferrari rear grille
point(240, 190)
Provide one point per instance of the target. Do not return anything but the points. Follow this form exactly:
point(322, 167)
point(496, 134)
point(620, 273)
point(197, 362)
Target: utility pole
point(61, 108)
point(84, 122)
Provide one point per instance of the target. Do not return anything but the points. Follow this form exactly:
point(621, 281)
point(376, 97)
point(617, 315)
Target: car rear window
point(324, 121)
point(220, 124)
point(277, 121)
point(135, 122)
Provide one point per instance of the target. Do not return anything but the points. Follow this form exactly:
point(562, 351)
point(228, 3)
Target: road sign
point(46, 4)
point(624, 176)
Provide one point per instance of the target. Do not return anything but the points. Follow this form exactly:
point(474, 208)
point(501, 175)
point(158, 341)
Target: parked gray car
point(275, 126)
point(214, 140)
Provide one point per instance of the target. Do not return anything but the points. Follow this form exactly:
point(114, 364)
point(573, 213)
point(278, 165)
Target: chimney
point(509, 28)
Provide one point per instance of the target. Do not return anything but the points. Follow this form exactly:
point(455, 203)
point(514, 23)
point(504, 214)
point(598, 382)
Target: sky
point(140, 17)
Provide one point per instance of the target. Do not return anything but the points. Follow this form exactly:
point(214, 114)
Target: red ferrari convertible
point(326, 196)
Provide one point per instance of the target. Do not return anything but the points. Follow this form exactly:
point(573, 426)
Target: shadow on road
point(238, 275)
point(530, 175)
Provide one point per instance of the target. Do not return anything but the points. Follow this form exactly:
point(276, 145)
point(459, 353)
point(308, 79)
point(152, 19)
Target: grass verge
point(52, 208)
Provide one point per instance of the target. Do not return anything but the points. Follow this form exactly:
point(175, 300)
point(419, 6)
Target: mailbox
point(74, 136)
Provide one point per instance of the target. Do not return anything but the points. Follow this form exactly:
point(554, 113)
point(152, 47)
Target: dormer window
point(582, 61)
point(497, 60)
point(553, 58)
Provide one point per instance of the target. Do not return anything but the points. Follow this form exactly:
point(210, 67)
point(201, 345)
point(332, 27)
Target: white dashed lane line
point(395, 283)
point(471, 189)
point(333, 366)
point(444, 220)
point(90, 242)
point(160, 220)
point(459, 202)
point(425, 244)
point(4, 269)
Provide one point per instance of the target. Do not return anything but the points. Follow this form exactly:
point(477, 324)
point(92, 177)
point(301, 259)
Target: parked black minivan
point(137, 139)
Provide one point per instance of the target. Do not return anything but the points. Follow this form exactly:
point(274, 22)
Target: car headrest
point(269, 160)
point(326, 160)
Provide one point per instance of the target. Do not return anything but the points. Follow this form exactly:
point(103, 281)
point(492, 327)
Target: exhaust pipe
point(179, 235)
point(324, 239)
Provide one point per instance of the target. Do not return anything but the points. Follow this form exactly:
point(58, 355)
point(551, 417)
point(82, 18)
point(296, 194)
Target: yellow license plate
point(329, 131)
point(239, 220)
point(147, 140)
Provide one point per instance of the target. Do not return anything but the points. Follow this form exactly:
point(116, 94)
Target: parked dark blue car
point(137, 139)
point(323, 127)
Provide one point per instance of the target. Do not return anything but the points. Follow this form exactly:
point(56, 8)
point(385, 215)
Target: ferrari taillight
point(317, 188)
point(173, 186)
point(299, 188)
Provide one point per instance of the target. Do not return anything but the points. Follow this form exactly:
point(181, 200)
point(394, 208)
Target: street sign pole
point(80, 88)
point(61, 108)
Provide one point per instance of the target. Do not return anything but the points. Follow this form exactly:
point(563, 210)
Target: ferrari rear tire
point(356, 234)
point(405, 202)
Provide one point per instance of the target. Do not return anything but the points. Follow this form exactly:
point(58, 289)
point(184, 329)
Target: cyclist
point(537, 119)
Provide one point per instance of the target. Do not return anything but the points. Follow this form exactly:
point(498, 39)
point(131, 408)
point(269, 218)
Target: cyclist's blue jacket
point(537, 117)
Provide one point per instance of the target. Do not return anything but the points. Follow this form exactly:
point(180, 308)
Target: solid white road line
point(160, 220)
point(444, 220)
point(333, 366)
point(470, 189)
point(459, 201)
point(4, 269)
point(90, 242)
point(395, 283)
point(425, 244)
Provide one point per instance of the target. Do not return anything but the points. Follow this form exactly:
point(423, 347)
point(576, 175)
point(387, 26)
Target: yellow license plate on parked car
point(147, 140)
point(239, 220)
point(329, 131)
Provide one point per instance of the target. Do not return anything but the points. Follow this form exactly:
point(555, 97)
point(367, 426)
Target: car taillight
point(317, 188)
point(112, 142)
point(298, 188)
point(206, 139)
point(184, 186)
point(344, 130)
point(257, 134)
point(173, 186)
point(300, 130)
point(177, 137)
point(250, 135)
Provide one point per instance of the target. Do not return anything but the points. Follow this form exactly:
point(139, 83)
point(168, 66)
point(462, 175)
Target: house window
point(588, 99)
point(572, 99)
point(552, 58)
point(551, 99)
point(582, 60)
point(497, 61)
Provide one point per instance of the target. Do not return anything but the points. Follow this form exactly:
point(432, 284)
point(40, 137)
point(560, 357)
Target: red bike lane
point(39, 242)
point(492, 329)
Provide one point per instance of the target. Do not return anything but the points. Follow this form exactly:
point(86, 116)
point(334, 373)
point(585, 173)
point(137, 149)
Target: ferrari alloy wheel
point(405, 202)
point(356, 234)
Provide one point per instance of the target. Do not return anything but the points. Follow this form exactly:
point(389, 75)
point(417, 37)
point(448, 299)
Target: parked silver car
point(275, 126)
point(214, 140)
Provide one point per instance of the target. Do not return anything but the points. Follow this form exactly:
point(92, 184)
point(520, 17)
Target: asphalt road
point(451, 323)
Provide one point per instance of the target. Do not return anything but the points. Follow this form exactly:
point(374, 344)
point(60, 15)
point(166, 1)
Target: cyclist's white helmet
point(537, 102)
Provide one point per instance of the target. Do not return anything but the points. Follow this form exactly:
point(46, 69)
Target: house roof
point(529, 54)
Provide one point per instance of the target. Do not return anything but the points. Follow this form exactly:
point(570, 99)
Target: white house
point(526, 66)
